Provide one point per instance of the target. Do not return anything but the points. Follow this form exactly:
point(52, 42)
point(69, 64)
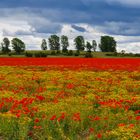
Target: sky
point(33, 20)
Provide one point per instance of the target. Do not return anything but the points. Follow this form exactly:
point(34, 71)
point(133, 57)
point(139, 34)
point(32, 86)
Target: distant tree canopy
point(44, 44)
point(107, 44)
point(89, 46)
point(5, 45)
point(94, 45)
point(79, 43)
point(64, 43)
point(18, 45)
point(54, 42)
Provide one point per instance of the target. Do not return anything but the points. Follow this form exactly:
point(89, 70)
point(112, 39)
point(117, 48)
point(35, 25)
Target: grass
point(82, 55)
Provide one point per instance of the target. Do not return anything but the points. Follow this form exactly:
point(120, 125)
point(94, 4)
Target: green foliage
point(70, 53)
point(40, 54)
point(137, 55)
point(44, 45)
point(28, 54)
point(123, 54)
point(58, 52)
point(36, 54)
point(79, 43)
point(77, 53)
point(108, 44)
point(9, 54)
point(88, 55)
point(54, 42)
point(53, 52)
point(18, 45)
point(12, 128)
point(64, 43)
point(5, 45)
point(89, 46)
point(94, 45)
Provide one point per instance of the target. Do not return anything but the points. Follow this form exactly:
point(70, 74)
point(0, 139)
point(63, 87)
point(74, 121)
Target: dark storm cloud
point(111, 16)
point(78, 28)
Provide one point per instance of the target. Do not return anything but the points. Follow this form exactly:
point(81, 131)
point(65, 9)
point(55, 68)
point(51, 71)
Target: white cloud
point(27, 26)
point(133, 47)
point(33, 41)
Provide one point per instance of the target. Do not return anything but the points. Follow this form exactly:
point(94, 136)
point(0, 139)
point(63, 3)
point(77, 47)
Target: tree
point(64, 43)
point(44, 44)
point(89, 47)
point(108, 44)
point(5, 45)
point(54, 42)
point(79, 43)
point(94, 45)
point(18, 45)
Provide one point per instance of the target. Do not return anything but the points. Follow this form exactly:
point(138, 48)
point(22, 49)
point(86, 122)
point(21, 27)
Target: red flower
point(53, 117)
point(131, 125)
point(62, 117)
point(91, 130)
point(99, 135)
point(55, 101)
point(137, 111)
point(76, 117)
point(18, 115)
point(37, 127)
point(96, 118)
point(138, 118)
point(41, 98)
point(121, 124)
point(30, 133)
point(36, 120)
point(70, 86)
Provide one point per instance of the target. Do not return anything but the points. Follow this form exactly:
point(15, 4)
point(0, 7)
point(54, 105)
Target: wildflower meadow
point(69, 99)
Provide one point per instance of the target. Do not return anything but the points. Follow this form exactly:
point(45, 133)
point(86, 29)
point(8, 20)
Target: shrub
point(40, 54)
point(53, 52)
point(65, 51)
point(9, 54)
point(43, 54)
point(58, 52)
point(37, 54)
point(88, 55)
point(137, 55)
point(29, 54)
point(77, 53)
point(70, 52)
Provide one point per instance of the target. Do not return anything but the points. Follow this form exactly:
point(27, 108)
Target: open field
point(69, 99)
point(61, 55)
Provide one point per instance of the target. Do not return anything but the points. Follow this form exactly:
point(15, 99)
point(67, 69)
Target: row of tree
point(17, 45)
point(107, 44)
point(55, 42)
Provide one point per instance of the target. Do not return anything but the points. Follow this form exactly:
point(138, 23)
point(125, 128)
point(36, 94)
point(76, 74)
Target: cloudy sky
point(33, 20)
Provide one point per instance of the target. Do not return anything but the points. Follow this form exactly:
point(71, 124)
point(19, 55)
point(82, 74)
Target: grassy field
point(82, 55)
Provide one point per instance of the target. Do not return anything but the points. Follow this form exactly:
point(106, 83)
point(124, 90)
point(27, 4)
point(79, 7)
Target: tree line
point(56, 43)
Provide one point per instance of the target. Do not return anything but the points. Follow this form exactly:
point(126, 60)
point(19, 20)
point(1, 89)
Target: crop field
point(69, 99)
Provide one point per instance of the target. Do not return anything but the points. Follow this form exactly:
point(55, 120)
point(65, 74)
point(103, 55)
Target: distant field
point(82, 55)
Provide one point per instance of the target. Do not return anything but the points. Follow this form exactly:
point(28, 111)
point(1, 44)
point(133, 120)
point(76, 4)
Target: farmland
point(69, 99)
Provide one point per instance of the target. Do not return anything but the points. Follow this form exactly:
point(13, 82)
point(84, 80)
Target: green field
point(81, 55)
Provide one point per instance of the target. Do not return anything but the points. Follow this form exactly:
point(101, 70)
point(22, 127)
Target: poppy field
point(69, 99)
